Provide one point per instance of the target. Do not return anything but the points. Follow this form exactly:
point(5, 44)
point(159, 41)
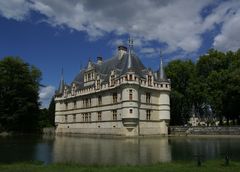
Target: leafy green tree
point(51, 112)
point(47, 116)
point(19, 85)
point(220, 74)
point(181, 74)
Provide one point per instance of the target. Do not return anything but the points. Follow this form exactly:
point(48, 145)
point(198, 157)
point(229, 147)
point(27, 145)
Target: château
point(119, 96)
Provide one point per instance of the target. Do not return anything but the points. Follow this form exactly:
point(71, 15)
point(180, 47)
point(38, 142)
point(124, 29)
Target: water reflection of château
point(111, 151)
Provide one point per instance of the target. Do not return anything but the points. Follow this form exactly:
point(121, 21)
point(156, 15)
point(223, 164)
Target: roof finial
point(61, 84)
point(161, 72)
point(130, 46)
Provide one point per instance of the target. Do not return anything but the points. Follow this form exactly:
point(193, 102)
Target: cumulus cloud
point(229, 37)
point(178, 24)
point(46, 94)
point(14, 9)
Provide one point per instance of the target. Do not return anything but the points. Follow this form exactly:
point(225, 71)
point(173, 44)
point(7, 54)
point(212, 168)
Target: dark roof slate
point(120, 65)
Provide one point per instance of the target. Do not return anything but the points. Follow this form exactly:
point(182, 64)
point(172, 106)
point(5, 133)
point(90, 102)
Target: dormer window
point(130, 77)
point(112, 78)
point(150, 80)
point(73, 91)
point(89, 76)
point(98, 84)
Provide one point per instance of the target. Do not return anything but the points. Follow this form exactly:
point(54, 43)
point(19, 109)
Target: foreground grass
point(211, 166)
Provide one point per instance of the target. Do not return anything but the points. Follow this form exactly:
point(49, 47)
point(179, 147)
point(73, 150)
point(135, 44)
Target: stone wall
point(179, 130)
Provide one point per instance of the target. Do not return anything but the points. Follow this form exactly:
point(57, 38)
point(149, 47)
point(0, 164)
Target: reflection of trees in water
point(111, 151)
point(210, 148)
point(18, 148)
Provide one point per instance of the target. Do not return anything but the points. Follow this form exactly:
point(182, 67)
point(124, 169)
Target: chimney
point(99, 60)
point(121, 51)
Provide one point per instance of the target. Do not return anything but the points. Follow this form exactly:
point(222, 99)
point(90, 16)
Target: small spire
point(89, 63)
point(161, 72)
point(61, 84)
point(81, 66)
point(130, 45)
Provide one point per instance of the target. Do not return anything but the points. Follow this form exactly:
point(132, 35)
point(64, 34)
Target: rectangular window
point(99, 116)
point(84, 105)
point(148, 98)
point(75, 104)
point(66, 120)
point(130, 94)
point(66, 105)
point(114, 97)
point(99, 100)
point(83, 119)
point(114, 115)
point(89, 116)
point(148, 114)
point(74, 118)
point(86, 117)
point(130, 111)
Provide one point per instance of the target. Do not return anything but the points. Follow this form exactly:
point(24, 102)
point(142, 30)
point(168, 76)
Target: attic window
point(149, 80)
point(89, 77)
point(98, 84)
point(112, 80)
point(130, 77)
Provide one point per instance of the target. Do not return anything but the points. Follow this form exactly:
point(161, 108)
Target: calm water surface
point(114, 150)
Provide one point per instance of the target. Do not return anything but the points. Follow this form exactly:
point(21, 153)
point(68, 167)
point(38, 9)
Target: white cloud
point(229, 38)
point(46, 94)
point(14, 9)
point(178, 24)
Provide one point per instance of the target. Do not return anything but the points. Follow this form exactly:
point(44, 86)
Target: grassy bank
point(211, 166)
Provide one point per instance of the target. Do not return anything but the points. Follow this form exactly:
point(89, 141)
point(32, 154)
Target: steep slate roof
point(120, 65)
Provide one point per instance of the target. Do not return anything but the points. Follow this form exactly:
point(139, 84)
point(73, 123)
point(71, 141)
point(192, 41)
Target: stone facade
point(116, 97)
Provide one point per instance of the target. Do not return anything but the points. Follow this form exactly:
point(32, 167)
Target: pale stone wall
point(131, 114)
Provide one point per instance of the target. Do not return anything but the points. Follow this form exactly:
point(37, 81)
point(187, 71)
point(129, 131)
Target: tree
point(51, 112)
point(221, 77)
point(181, 74)
point(19, 85)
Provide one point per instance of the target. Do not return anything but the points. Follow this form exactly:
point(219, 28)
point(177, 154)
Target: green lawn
point(211, 166)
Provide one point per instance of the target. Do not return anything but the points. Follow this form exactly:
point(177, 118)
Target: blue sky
point(52, 34)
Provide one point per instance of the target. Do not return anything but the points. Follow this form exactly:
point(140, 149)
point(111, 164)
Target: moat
point(89, 150)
